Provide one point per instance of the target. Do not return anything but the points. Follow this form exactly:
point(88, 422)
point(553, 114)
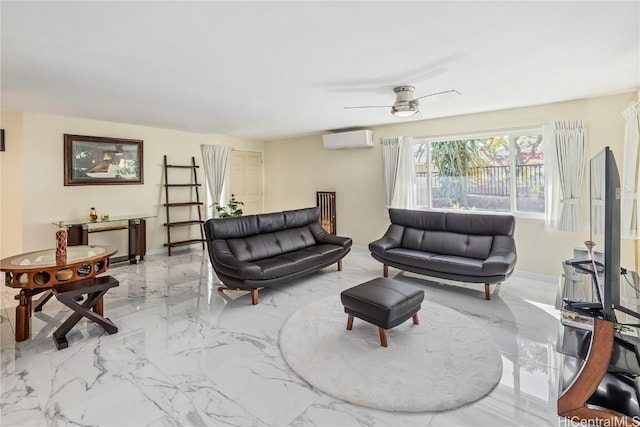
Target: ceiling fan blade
point(440, 93)
point(370, 106)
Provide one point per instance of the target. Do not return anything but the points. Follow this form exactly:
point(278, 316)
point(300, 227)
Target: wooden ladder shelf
point(194, 202)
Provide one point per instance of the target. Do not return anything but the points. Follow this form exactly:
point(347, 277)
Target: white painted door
point(245, 180)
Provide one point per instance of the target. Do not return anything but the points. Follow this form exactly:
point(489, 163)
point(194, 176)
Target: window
point(503, 172)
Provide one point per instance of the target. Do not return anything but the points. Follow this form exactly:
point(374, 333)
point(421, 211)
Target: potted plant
point(535, 191)
point(232, 209)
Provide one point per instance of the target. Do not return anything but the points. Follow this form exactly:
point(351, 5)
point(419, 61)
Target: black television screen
point(605, 231)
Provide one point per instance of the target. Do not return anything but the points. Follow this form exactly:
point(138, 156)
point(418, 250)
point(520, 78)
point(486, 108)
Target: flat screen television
point(605, 232)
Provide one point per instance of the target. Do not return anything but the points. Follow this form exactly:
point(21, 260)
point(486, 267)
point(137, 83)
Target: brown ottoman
point(383, 302)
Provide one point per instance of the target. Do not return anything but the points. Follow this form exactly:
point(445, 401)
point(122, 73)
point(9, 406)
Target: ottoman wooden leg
point(383, 337)
point(254, 296)
point(416, 320)
point(350, 322)
point(487, 292)
point(385, 270)
point(340, 265)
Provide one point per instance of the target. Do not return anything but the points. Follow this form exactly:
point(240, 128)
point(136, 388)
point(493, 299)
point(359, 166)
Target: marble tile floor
point(188, 355)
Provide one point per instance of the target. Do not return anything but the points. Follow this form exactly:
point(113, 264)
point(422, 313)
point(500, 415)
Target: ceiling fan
point(406, 105)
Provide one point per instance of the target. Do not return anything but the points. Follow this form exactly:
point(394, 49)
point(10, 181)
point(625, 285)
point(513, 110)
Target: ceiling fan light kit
point(406, 105)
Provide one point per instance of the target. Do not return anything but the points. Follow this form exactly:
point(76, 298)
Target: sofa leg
point(340, 265)
point(350, 322)
point(383, 337)
point(254, 293)
point(487, 292)
point(416, 319)
point(385, 270)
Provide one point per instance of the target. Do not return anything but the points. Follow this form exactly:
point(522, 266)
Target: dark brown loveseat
point(268, 250)
point(466, 247)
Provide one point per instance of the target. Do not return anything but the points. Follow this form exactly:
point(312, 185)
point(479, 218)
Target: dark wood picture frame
point(96, 160)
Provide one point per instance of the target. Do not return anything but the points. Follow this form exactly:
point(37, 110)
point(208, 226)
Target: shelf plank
point(183, 204)
point(184, 243)
point(109, 228)
point(183, 223)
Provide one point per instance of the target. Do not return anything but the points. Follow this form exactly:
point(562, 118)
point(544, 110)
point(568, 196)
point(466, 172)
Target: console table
point(78, 233)
point(37, 272)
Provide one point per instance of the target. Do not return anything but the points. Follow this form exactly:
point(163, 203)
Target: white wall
point(296, 168)
point(33, 192)
point(11, 173)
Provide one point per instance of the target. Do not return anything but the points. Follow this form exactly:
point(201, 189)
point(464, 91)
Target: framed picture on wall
point(96, 160)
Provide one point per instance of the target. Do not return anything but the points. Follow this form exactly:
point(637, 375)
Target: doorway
point(245, 179)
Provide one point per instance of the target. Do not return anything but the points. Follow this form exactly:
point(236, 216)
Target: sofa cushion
point(270, 222)
point(268, 245)
point(476, 224)
point(436, 262)
point(290, 262)
point(225, 228)
point(440, 242)
point(300, 217)
point(462, 223)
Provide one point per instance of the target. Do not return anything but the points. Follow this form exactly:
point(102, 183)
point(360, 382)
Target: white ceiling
point(271, 70)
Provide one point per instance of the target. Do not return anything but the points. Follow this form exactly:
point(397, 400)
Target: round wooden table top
point(39, 269)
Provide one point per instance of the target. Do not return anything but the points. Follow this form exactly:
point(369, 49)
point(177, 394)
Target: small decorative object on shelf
point(61, 244)
point(93, 216)
point(231, 210)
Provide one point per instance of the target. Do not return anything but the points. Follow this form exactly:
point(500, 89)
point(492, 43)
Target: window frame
point(511, 135)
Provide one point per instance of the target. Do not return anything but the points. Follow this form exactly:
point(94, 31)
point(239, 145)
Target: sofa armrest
point(321, 236)
point(502, 257)
point(391, 239)
point(228, 264)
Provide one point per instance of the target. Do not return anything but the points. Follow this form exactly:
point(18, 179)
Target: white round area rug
point(444, 362)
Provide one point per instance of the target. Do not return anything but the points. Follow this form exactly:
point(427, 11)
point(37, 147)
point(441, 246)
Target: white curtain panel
point(215, 159)
point(552, 181)
point(596, 185)
point(570, 159)
point(630, 215)
point(390, 157)
point(404, 196)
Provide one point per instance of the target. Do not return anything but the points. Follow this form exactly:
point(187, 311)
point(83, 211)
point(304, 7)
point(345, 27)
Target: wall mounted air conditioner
point(352, 139)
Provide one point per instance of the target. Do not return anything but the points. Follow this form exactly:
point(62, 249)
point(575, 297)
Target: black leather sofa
point(268, 250)
point(465, 247)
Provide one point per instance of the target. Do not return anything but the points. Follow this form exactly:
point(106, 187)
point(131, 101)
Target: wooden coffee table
point(37, 272)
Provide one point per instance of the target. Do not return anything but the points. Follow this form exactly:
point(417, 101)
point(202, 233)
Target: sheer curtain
point(399, 172)
point(566, 150)
point(404, 196)
point(215, 159)
point(630, 215)
point(390, 157)
point(551, 183)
